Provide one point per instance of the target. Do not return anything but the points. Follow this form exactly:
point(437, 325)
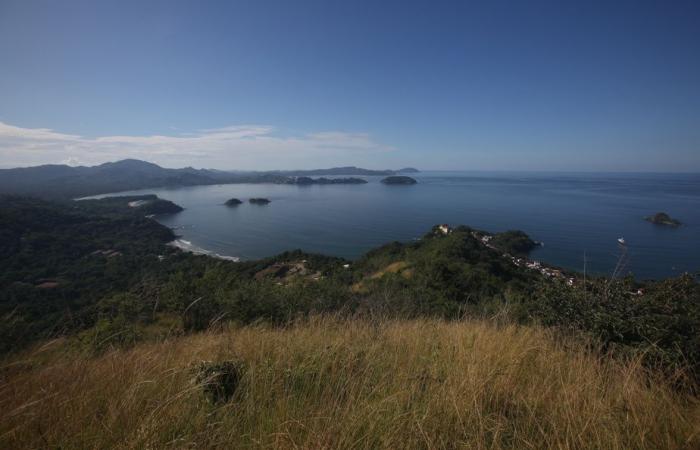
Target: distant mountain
point(61, 181)
point(322, 180)
point(347, 170)
point(57, 181)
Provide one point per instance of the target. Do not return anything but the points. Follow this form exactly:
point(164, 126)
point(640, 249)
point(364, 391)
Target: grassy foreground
point(327, 383)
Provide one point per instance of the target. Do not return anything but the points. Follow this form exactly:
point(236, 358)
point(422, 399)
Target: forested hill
point(61, 263)
point(101, 273)
point(61, 181)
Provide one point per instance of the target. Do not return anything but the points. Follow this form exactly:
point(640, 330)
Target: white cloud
point(72, 162)
point(232, 147)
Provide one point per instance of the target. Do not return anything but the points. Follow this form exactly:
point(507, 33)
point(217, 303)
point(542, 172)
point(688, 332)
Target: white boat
point(621, 241)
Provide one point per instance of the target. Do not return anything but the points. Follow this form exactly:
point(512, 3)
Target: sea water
point(578, 217)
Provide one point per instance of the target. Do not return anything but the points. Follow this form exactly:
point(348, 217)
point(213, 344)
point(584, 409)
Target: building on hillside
point(444, 229)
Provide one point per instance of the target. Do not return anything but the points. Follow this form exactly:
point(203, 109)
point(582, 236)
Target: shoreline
point(187, 246)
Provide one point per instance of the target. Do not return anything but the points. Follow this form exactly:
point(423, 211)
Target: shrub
point(219, 380)
point(663, 322)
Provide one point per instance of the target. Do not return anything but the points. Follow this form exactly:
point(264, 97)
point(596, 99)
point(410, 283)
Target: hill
point(347, 170)
point(137, 205)
point(57, 261)
point(52, 181)
point(332, 383)
point(111, 337)
point(100, 267)
point(97, 249)
point(62, 182)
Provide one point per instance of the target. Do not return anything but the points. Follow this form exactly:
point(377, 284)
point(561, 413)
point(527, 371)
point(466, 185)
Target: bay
point(576, 216)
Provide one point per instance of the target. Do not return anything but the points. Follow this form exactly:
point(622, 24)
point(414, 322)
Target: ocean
point(578, 217)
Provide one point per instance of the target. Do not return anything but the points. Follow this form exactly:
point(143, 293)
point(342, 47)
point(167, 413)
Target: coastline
point(187, 246)
point(580, 223)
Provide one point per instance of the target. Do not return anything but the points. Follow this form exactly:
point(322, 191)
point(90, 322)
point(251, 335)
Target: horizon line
point(481, 170)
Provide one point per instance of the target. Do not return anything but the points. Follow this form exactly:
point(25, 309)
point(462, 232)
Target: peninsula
point(135, 205)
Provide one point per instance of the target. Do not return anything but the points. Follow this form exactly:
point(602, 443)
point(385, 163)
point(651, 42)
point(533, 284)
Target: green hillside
point(99, 267)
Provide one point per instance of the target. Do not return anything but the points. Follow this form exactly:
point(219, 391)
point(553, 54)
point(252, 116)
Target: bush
point(219, 380)
point(663, 322)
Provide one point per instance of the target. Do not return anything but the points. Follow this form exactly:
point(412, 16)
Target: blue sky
point(574, 86)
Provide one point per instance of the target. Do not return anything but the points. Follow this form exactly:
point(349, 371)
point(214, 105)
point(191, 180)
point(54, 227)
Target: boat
point(621, 241)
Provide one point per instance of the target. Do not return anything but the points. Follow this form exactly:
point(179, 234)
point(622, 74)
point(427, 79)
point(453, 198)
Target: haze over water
point(573, 214)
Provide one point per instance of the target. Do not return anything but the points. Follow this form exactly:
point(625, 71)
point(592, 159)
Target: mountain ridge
point(63, 181)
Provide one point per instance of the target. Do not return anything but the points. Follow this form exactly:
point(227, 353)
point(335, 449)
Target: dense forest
point(101, 273)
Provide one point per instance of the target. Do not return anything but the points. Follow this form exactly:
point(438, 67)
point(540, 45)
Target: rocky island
point(399, 180)
point(259, 201)
point(662, 218)
point(233, 202)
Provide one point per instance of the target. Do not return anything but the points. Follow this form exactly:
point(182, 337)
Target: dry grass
point(347, 384)
point(395, 267)
point(401, 267)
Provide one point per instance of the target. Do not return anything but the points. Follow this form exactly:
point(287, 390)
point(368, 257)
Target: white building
point(444, 229)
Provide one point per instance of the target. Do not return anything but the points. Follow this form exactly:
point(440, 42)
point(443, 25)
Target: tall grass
point(328, 383)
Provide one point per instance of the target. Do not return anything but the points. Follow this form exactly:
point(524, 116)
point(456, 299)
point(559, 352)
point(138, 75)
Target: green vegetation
point(399, 179)
point(96, 270)
point(57, 262)
point(111, 338)
point(663, 219)
point(661, 321)
point(514, 242)
point(219, 380)
point(259, 201)
point(136, 205)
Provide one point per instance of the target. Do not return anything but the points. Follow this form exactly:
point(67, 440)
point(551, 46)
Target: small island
point(259, 201)
point(233, 202)
point(402, 180)
point(662, 218)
